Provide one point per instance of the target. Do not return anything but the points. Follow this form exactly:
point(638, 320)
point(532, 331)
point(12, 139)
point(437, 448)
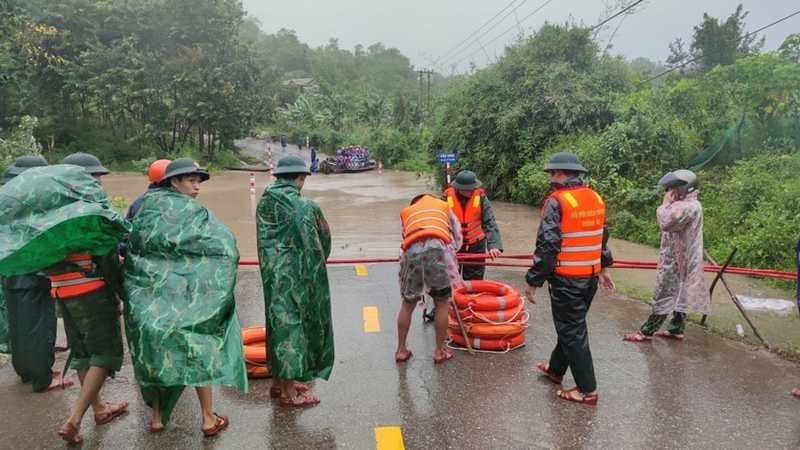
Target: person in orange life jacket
point(428, 265)
point(32, 314)
point(87, 288)
point(478, 225)
point(154, 174)
point(571, 255)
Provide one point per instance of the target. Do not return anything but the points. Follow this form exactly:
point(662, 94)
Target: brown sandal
point(69, 433)
point(637, 336)
point(275, 392)
point(667, 335)
point(106, 417)
point(585, 399)
point(308, 400)
point(555, 379)
point(222, 422)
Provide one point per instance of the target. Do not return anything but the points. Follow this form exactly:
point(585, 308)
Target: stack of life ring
point(493, 315)
point(255, 351)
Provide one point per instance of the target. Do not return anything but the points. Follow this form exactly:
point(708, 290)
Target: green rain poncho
point(180, 314)
point(51, 212)
point(3, 320)
point(293, 243)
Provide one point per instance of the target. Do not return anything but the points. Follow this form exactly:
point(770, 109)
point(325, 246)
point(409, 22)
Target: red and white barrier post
point(380, 167)
point(252, 182)
point(270, 161)
point(448, 174)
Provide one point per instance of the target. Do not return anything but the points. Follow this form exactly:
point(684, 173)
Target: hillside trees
point(506, 115)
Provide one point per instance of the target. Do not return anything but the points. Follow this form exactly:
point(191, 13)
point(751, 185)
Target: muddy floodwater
point(363, 210)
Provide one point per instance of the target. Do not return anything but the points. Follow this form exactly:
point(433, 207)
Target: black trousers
point(570, 300)
point(31, 328)
point(470, 272)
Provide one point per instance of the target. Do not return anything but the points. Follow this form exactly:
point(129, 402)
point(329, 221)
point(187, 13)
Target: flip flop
point(795, 393)
point(222, 422)
point(585, 399)
point(553, 378)
point(106, 417)
point(405, 358)
point(65, 383)
point(275, 392)
point(447, 355)
point(636, 336)
point(667, 335)
point(289, 402)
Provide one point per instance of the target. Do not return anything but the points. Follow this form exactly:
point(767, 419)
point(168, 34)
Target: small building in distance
point(302, 82)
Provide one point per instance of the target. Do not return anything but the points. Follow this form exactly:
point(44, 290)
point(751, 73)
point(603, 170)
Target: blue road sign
point(447, 157)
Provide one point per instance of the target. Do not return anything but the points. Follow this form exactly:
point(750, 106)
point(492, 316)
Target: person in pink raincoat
point(680, 284)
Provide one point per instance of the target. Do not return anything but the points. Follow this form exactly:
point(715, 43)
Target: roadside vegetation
point(135, 81)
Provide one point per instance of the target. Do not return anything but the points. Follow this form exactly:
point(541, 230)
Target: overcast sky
point(424, 30)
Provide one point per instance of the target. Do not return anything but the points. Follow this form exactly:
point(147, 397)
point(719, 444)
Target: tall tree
point(716, 43)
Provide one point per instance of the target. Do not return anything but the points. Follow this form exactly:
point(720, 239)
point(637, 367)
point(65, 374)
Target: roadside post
point(447, 158)
point(380, 167)
point(252, 182)
point(270, 161)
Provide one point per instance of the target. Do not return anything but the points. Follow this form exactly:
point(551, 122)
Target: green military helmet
point(184, 166)
point(564, 161)
point(291, 164)
point(24, 163)
point(466, 180)
point(87, 161)
point(6, 176)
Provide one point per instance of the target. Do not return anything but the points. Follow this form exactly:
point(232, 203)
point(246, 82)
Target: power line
point(476, 31)
point(615, 15)
point(503, 33)
point(731, 42)
point(484, 33)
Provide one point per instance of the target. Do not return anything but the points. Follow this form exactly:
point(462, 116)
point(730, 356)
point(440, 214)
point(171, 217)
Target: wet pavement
point(704, 393)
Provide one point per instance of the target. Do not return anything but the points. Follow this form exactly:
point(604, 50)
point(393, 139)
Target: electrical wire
point(731, 42)
point(476, 32)
point(503, 33)
point(490, 29)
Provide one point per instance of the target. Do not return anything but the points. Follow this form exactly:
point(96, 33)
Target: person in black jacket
point(571, 255)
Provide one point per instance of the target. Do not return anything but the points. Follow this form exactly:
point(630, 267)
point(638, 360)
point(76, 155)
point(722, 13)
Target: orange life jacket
point(470, 218)
point(74, 284)
point(583, 214)
point(426, 218)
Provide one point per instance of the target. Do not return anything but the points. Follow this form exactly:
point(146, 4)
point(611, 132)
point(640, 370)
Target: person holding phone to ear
point(680, 283)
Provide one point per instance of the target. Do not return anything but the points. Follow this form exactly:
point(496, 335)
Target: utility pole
point(422, 101)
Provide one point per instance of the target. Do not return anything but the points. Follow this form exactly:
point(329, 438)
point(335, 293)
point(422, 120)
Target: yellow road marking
point(361, 270)
point(371, 323)
point(389, 438)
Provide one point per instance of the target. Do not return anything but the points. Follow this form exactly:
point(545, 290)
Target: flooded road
point(363, 210)
point(730, 396)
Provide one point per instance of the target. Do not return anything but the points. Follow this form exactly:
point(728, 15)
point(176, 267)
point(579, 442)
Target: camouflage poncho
point(3, 320)
point(51, 212)
point(293, 243)
point(180, 315)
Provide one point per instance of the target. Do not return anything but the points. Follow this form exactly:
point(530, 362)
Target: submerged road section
point(703, 393)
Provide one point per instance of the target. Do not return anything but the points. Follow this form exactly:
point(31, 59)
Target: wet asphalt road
point(703, 393)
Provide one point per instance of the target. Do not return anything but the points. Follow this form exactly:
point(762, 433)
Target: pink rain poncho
point(681, 285)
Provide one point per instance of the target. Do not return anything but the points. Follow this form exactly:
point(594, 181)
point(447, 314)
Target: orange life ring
point(502, 344)
point(255, 344)
point(489, 331)
point(482, 295)
point(499, 316)
point(257, 370)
